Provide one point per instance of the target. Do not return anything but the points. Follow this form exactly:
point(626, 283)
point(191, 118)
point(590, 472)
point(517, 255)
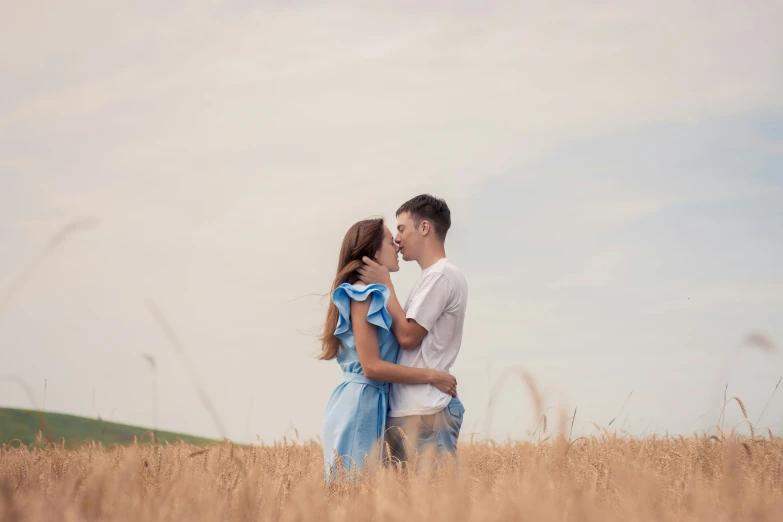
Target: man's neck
point(430, 258)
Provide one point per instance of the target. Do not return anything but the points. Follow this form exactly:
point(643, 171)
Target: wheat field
point(598, 478)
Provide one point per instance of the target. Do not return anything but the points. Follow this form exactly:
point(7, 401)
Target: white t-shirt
point(437, 302)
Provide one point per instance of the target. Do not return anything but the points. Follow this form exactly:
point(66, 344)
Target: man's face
point(408, 237)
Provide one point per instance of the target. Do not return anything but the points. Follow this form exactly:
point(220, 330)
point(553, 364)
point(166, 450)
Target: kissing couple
point(395, 359)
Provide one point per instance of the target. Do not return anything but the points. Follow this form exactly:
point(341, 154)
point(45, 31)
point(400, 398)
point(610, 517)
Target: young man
point(429, 328)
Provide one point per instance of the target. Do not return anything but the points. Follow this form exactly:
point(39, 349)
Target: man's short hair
point(429, 208)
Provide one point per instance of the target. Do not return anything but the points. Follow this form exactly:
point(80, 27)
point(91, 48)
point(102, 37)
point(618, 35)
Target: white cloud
point(625, 211)
point(714, 296)
point(226, 152)
point(596, 274)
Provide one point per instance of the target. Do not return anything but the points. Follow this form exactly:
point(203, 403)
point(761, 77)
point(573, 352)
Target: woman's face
point(388, 253)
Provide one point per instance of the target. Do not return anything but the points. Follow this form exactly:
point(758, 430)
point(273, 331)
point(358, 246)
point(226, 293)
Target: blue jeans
point(439, 430)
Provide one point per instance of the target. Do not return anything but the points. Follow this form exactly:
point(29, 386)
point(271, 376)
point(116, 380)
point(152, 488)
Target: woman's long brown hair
point(365, 238)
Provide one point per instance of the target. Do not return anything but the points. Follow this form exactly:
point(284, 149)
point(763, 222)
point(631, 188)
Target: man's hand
point(372, 272)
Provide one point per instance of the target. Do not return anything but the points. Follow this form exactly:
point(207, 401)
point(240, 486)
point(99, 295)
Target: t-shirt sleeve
point(430, 300)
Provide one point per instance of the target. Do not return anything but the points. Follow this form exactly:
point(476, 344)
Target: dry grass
point(607, 478)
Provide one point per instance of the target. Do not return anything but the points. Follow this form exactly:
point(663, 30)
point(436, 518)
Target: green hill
point(23, 425)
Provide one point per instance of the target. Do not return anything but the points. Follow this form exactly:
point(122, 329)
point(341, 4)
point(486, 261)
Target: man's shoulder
point(447, 275)
point(453, 273)
point(444, 266)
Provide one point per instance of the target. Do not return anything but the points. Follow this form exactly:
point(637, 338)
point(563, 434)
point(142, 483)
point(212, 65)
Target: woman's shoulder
point(360, 285)
point(376, 297)
point(360, 290)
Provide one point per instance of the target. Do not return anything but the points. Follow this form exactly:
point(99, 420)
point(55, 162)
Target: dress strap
point(361, 379)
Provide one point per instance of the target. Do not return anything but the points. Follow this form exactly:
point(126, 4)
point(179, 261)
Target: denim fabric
point(439, 430)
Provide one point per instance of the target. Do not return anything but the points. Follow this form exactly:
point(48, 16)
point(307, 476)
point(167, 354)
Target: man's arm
point(408, 332)
point(366, 336)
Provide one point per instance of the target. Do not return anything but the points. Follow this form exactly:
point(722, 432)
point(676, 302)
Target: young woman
point(358, 334)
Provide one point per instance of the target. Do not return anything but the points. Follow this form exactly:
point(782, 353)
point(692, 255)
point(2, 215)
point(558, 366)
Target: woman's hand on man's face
point(372, 273)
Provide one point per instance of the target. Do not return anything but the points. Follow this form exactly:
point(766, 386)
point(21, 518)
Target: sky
point(614, 170)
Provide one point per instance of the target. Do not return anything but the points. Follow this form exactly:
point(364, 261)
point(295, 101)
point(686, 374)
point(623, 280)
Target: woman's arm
point(366, 337)
point(409, 333)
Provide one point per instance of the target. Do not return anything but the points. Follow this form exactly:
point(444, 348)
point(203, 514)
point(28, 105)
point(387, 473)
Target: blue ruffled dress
point(355, 418)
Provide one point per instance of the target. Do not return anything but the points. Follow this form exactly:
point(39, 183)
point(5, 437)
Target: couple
point(395, 361)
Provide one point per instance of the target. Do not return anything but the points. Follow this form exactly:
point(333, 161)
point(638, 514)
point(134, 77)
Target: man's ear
point(425, 228)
